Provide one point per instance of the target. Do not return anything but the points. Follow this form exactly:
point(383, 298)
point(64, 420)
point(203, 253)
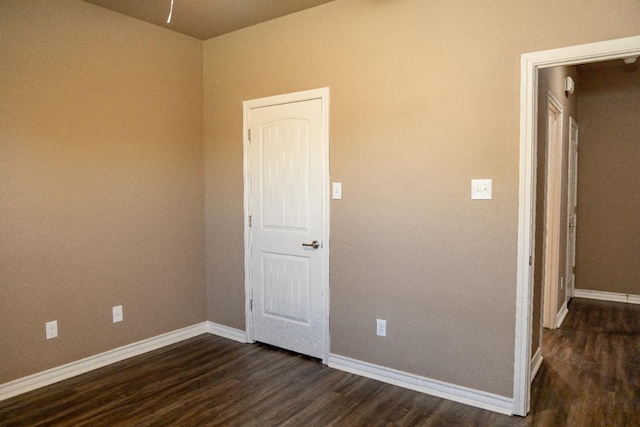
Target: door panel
point(286, 287)
point(285, 175)
point(286, 172)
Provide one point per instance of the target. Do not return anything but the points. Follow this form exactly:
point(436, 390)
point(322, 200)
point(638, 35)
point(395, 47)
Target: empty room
point(278, 212)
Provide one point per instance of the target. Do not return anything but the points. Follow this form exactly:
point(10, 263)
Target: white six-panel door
point(286, 168)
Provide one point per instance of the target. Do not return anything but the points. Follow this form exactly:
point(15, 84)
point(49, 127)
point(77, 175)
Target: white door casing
point(553, 190)
point(572, 207)
point(530, 64)
point(286, 221)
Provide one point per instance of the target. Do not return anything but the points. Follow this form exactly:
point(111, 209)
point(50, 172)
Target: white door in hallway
point(286, 174)
point(572, 210)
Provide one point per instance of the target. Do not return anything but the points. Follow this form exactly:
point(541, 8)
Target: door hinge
point(249, 221)
point(249, 134)
point(573, 269)
point(530, 259)
point(250, 305)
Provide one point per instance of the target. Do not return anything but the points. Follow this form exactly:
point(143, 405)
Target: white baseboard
point(41, 379)
point(536, 362)
point(227, 332)
point(50, 376)
point(562, 314)
point(479, 399)
point(607, 296)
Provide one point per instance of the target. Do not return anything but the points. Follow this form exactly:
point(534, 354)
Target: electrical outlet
point(117, 313)
point(381, 327)
point(51, 329)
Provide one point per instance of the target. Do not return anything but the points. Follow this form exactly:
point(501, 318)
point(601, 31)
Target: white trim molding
point(607, 296)
point(227, 332)
point(530, 64)
point(467, 396)
point(59, 373)
point(564, 310)
point(536, 362)
point(552, 212)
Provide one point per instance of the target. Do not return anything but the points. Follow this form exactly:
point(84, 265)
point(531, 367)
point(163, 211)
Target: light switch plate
point(481, 189)
point(336, 193)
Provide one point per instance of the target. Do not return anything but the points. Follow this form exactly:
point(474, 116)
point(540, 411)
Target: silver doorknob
point(315, 244)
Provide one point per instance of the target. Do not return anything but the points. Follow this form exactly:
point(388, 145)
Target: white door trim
point(323, 95)
point(552, 208)
point(530, 64)
point(572, 195)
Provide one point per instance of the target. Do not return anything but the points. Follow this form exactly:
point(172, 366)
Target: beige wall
point(551, 80)
point(424, 97)
point(608, 231)
point(101, 201)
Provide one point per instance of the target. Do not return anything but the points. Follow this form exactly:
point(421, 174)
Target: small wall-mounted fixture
point(630, 64)
point(569, 85)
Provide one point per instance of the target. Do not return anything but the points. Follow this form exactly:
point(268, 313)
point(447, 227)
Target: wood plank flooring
point(590, 377)
point(591, 372)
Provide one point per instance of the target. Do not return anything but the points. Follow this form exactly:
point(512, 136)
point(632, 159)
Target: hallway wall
point(608, 238)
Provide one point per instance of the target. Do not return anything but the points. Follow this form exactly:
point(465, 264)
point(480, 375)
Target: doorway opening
point(530, 64)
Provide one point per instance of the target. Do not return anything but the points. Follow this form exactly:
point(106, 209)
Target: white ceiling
point(204, 19)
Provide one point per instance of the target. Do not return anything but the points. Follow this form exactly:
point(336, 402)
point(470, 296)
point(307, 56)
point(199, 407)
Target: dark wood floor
point(591, 372)
point(590, 377)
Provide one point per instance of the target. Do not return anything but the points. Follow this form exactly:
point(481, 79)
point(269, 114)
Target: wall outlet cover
point(51, 329)
point(381, 327)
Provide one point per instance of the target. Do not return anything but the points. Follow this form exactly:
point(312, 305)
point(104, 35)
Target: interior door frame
point(552, 211)
point(323, 95)
point(530, 64)
point(572, 196)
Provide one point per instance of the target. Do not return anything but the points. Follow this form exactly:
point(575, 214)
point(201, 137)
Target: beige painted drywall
point(424, 97)
point(551, 80)
point(608, 233)
point(101, 195)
